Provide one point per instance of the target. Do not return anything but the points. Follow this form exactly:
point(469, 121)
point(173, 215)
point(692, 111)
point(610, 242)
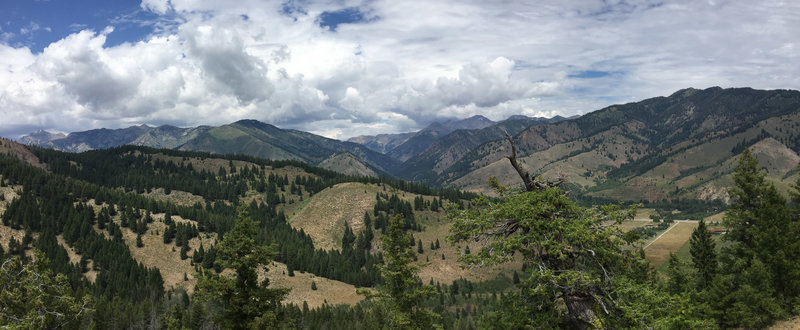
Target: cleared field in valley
point(669, 241)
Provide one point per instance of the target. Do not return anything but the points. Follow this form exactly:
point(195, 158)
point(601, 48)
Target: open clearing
point(669, 241)
point(447, 270)
point(330, 291)
point(324, 215)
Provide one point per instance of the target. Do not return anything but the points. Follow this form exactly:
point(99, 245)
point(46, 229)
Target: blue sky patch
point(332, 19)
point(36, 24)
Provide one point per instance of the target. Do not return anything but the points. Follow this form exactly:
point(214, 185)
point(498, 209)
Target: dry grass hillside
point(328, 291)
point(346, 163)
point(176, 197)
point(165, 257)
point(447, 270)
point(324, 215)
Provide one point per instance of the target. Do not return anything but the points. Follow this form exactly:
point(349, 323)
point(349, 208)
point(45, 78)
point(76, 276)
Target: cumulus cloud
point(396, 66)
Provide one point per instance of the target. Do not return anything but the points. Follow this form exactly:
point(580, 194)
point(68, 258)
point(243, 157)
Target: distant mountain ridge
point(681, 146)
point(443, 152)
point(403, 146)
point(242, 137)
point(41, 138)
point(382, 143)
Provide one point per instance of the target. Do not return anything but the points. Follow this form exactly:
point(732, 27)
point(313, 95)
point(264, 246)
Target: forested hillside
point(132, 226)
point(162, 238)
point(675, 148)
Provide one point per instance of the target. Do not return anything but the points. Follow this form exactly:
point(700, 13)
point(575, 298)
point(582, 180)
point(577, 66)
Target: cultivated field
point(671, 240)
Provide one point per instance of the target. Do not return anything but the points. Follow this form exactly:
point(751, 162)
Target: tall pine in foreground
point(759, 279)
point(402, 294)
point(242, 301)
point(704, 256)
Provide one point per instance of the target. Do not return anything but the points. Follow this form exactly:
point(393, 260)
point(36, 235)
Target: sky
point(344, 68)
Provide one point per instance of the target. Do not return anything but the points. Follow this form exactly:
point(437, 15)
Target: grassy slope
point(324, 215)
point(330, 291)
point(347, 164)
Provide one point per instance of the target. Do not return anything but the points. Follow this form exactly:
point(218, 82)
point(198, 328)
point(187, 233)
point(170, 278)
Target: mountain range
point(663, 148)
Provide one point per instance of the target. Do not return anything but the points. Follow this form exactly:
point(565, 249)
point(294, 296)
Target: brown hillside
point(330, 291)
point(8, 147)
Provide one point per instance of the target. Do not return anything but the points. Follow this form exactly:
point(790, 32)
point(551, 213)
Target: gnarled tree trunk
point(580, 307)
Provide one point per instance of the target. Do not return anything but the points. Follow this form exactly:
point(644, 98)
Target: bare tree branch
point(531, 184)
point(526, 177)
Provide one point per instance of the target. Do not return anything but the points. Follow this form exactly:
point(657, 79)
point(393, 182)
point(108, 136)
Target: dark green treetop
point(402, 293)
point(243, 301)
point(704, 255)
point(31, 297)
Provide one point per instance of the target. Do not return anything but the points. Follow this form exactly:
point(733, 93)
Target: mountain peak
point(41, 138)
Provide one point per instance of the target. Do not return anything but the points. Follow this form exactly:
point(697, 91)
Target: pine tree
point(32, 297)
point(243, 301)
point(678, 277)
point(139, 242)
point(402, 294)
point(758, 281)
point(581, 267)
point(704, 255)
point(184, 251)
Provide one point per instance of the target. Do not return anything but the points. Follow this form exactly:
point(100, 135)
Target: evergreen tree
point(581, 268)
point(184, 251)
point(704, 255)
point(402, 294)
point(759, 272)
point(243, 301)
point(139, 242)
point(678, 277)
point(32, 297)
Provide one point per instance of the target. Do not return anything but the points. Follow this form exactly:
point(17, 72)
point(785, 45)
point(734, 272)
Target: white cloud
point(214, 62)
point(156, 6)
